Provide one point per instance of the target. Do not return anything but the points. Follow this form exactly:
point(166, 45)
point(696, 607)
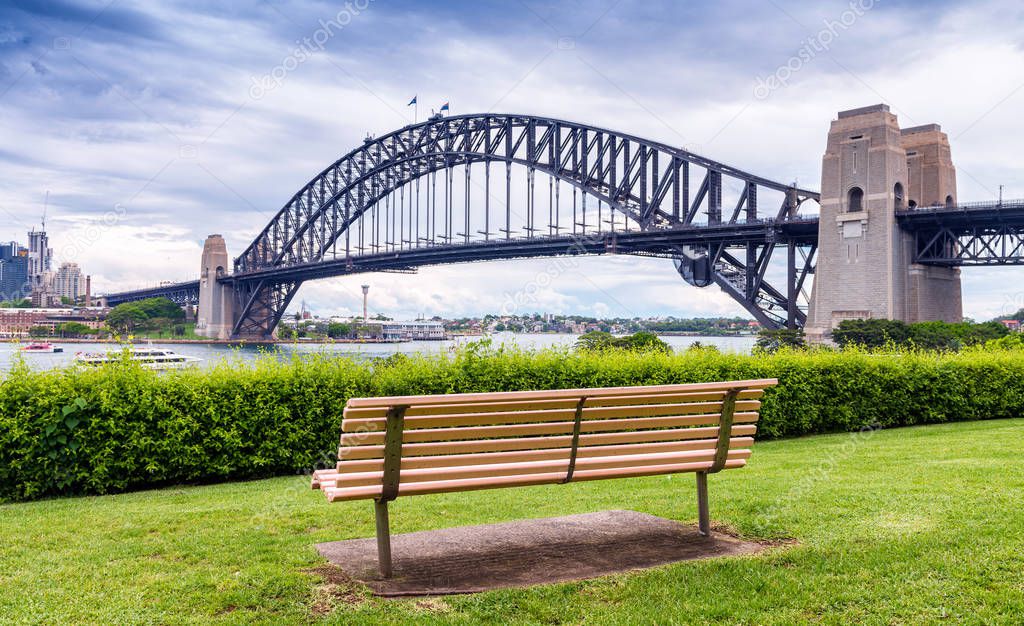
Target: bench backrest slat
point(442, 407)
point(457, 448)
point(506, 396)
point(535, 454)
point(545, 428)
point(484, 418)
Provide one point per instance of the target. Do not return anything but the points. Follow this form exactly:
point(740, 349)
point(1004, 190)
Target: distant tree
point(697, 346)
point(874, 333)
point(126, 317)
point(66, 301)
point(773, 340)
point(161, 307)
point(974, 334)
point(336, 330)
point(642, 342)
point(39, 331)
point(157, 323)
point(935, 335)
point(595, 340)
point(73, 329)
point(285, 332)
point(638, 342)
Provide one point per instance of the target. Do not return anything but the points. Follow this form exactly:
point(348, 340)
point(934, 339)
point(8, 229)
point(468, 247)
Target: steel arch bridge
point(520, 186)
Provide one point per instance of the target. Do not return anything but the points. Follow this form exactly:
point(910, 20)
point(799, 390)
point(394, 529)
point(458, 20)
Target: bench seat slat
point(523, 417)
point(469, 484)
point(559, 393)
point(529, 443)
point(444, 408)
point(486, 458)
point(550, 428)
point(431, 474)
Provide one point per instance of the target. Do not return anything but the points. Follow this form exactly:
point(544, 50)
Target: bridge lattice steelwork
point(480, 187)
point(183, 294)
point(983, 233)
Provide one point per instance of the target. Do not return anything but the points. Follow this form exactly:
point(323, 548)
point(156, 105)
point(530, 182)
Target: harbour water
point(213, 354)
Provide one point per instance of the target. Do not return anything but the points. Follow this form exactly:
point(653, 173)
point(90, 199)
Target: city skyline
point(28, 272)
point(143, 162)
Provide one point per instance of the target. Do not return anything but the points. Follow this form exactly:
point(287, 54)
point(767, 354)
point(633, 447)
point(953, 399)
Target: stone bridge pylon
point(871, 170)
point(216, 316)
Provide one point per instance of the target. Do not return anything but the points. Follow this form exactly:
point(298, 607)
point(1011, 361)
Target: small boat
point(150, 358)
point(42, 347)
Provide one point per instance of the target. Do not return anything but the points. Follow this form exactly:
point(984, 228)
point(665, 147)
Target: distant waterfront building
point(68, 282)
point(18, 323)
point(40, 257)
point(419, 330)
point(14, 282)
point(43, 296)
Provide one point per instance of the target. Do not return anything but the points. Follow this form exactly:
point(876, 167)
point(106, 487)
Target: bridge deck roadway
point(964, 217)
point(962, 220)
point(663, 242)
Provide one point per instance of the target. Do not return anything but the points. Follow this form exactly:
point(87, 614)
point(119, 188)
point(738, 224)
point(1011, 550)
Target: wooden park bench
point(412, 445)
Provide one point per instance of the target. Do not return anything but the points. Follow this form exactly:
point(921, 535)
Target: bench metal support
point(395, 429)
point(574, 449)
point(383, 538)
point(703, 517)
point(724, 431)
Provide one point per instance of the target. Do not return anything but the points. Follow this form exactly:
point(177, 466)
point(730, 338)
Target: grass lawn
point(917, 525)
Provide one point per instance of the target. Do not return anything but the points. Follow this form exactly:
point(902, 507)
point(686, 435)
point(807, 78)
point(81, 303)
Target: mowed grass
point(916, 525)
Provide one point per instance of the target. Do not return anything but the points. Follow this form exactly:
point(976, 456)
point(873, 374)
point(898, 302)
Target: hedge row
point(121, 428)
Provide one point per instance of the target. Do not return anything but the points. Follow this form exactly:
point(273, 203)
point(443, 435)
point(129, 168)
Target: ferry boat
point(43, 347)
point(150, 358)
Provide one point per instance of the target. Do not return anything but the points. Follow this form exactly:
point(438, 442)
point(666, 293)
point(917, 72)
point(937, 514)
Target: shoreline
point(202, 342)
point(255, 342)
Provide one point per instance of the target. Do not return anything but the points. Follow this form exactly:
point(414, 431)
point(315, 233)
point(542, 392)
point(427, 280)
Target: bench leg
point(703, 518)
point(383, 538)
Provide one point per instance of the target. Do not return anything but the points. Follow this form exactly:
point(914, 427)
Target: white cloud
point(169, 131)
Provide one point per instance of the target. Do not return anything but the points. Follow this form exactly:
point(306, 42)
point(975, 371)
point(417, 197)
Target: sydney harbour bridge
point(492, 187)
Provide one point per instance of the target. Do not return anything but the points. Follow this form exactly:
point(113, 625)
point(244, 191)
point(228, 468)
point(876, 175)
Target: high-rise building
point(39, 257)
point(68, 282)
point(14, 281)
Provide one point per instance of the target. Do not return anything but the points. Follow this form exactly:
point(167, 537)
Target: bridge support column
point(216, 316)
point(872, 169)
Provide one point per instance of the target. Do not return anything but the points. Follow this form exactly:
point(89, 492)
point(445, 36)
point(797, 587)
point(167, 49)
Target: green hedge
point(120, 428)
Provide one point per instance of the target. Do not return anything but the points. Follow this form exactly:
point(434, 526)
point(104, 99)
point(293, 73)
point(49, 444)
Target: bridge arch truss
point(479, 187)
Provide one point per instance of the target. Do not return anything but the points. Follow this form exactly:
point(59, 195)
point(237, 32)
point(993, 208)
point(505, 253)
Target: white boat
point(150, 358)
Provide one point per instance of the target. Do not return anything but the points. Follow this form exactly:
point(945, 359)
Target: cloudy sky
point(142, 121)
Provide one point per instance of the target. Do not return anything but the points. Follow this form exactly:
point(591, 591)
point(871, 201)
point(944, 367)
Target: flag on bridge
point(412, 102)
point(444, 107)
